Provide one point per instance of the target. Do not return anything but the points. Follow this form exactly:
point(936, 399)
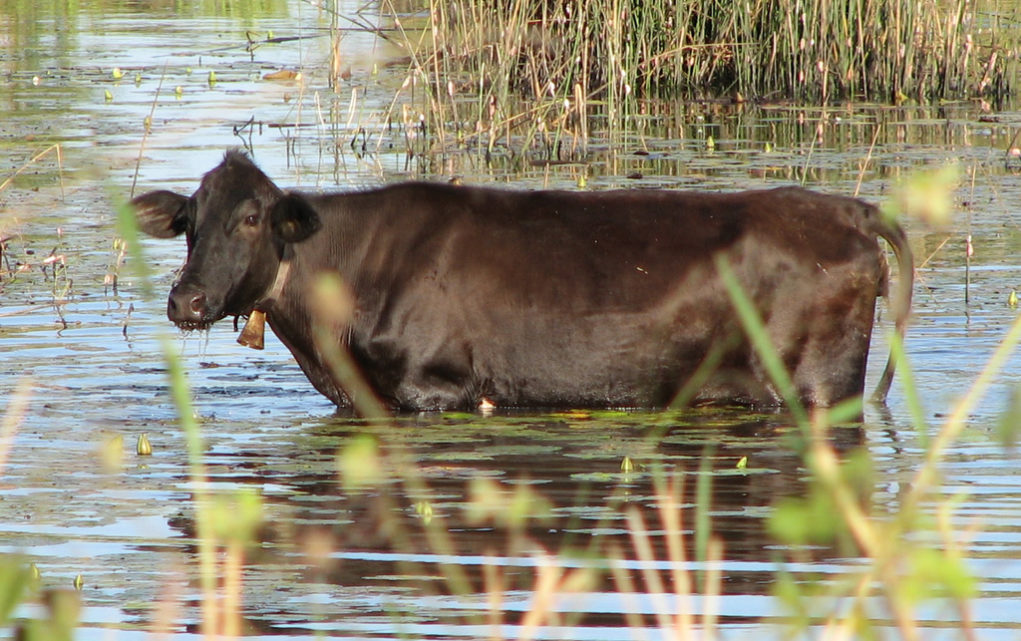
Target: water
point(75, 499)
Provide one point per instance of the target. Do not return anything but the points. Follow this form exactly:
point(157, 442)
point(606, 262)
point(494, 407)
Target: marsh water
point(82, 372)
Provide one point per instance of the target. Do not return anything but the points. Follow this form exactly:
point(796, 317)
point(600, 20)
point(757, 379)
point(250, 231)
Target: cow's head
point(237, 225)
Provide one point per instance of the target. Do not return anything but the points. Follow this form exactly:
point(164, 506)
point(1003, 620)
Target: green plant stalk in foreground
point(127, 228)
point(761, 343)
point(895, 563)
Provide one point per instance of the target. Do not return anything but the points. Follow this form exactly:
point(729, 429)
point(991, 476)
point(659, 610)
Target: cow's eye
point(252, 220)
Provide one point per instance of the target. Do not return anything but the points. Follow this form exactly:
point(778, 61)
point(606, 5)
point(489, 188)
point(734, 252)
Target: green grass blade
point(761, 342)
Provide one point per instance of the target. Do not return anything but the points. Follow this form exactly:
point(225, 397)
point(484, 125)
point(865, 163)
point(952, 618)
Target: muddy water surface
point(86, 356)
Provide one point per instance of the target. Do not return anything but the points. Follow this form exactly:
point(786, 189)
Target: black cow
point(552, 299)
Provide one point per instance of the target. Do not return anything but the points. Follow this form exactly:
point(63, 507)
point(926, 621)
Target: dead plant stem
point(147, 130)
point(60, 168)
point(16, 408)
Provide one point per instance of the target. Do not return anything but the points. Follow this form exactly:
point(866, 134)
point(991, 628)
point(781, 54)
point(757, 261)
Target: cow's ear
point(162, 214)
point(293, 219)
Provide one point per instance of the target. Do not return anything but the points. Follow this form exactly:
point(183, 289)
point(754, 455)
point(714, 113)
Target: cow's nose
point(186, 306)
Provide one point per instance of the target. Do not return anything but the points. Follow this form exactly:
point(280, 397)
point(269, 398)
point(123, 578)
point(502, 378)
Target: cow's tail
point(900, 299)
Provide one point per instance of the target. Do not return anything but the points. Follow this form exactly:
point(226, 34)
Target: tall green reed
point(225, 521)
point(909, 556)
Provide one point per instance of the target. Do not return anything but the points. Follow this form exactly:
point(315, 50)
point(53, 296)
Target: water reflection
point(385, 541)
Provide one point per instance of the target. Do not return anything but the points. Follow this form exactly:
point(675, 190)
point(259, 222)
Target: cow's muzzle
point(187, 308)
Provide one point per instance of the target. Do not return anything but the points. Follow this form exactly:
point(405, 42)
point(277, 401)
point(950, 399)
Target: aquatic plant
point(53, 265)
point(536, 77)
point(879, 50)
point(908, 558)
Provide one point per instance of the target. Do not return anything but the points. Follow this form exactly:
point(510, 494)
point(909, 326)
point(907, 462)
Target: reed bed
point(538, 82)
point(534, 64)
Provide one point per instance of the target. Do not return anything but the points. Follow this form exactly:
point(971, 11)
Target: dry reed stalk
point(31, 161)
point(166, 611)
point(813, 50)
point(670, 519)
point(493, 580)
point(544, 594)
point(230, 611)
point(17, 406)
point(674, 617)
point(146, 131)
point(654, 585)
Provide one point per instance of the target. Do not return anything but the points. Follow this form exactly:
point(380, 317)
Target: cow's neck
point(283, 271)
point(252, 335)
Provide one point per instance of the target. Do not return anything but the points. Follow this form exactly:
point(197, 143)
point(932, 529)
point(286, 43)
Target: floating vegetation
point(143, 447)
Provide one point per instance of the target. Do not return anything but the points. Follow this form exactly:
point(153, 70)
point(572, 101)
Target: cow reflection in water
point(553, 499)
point(455, 296)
